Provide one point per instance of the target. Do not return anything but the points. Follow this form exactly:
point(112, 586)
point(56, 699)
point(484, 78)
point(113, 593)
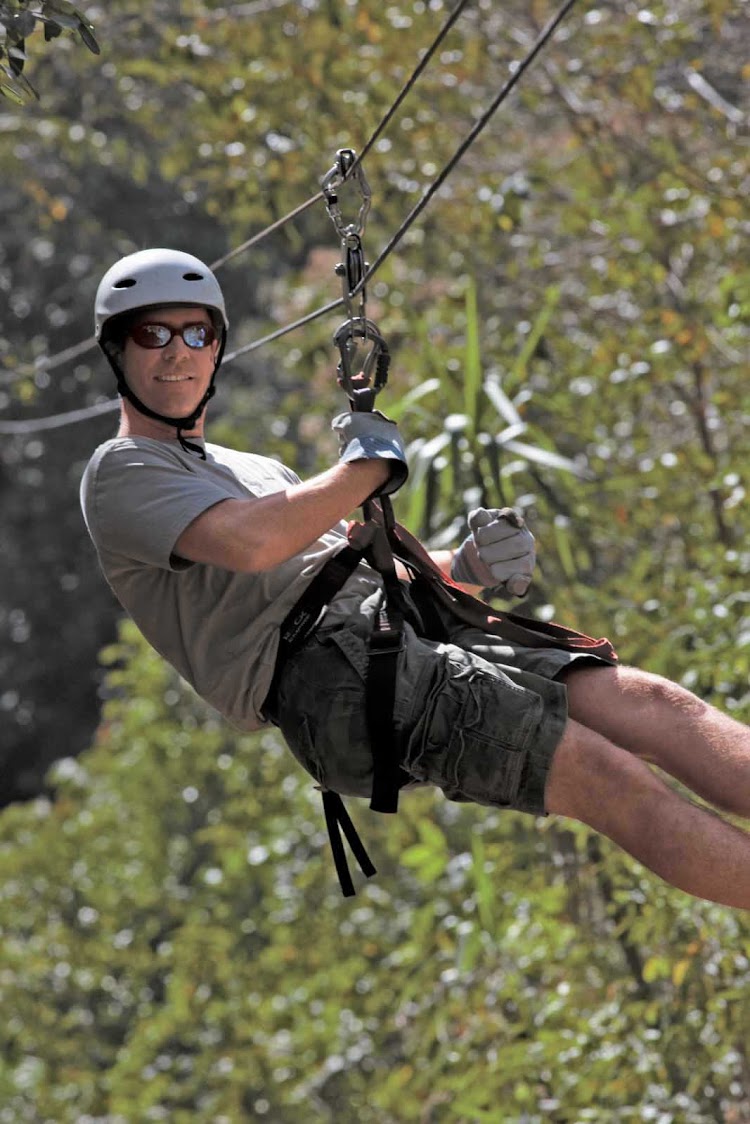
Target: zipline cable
point(539, 43)
point(421, 65)
point(385, 121)
point(58, 420)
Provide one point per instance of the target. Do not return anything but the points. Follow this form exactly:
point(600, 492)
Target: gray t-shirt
point(218, 628)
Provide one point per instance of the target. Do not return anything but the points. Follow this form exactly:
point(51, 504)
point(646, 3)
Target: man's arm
point(253, 535)
point(443, 560)
point(257, 534)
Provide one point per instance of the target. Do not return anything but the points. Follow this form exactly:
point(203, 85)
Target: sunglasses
point(154, 336)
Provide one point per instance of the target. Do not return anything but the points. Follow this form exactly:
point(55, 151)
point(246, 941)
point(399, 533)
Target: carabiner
point(358, 386)
point(346, 160)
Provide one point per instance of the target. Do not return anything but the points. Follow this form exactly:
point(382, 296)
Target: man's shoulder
point(120, 452)
point(252, 464)
point(147, 446)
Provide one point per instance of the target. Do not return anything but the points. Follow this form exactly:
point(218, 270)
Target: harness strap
point(386, 641)
point(299, 623)
point(337, 820)
point(303, 617)
point(379, 539)
point(520, 630)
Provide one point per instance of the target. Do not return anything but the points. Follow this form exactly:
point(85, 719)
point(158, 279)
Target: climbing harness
point(362, 373)
point(380, 541)
point(435, 595)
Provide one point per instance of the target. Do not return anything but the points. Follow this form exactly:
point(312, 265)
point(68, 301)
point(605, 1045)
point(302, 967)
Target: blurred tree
point(175, 947)
point(18, 20)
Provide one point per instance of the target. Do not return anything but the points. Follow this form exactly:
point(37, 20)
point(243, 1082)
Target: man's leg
point(617, 794)
point(668, 726)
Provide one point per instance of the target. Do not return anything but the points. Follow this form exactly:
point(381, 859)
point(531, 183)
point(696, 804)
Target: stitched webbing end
point(337, 820)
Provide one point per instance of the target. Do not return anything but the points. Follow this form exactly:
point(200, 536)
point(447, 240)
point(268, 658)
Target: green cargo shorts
point(475, 716)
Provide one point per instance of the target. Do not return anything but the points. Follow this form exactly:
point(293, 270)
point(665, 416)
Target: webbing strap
point(380, 697)
point(531, 633)
point(303, 617)
point(386, 641)
point(298, 624)
point(337, 820)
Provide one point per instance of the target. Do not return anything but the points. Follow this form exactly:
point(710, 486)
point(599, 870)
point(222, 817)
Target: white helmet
point(150, 278)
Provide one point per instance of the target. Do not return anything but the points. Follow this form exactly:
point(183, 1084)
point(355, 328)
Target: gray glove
point(499, 552)
point(370, 435)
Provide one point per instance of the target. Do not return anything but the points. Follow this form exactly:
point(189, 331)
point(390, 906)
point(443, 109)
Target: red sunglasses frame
point(138, 330)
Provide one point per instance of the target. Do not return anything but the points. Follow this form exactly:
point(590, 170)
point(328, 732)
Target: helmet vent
point(192, 276)
point(126, 283)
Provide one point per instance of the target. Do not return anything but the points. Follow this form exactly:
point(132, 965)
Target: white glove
point(499, 552)
point(369, 435)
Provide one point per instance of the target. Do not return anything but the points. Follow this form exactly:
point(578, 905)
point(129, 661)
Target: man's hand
point(499, 552)
point(369, 435)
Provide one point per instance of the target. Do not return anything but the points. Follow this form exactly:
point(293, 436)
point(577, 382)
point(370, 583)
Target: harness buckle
point(386, 642)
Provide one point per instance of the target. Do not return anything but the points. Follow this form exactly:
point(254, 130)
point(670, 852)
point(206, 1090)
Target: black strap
point(337, 818)
point(386, 641)
point(306, 613)
point(299, 623)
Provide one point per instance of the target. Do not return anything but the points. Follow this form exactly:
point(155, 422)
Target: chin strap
point(190, 446)
point(186, 422)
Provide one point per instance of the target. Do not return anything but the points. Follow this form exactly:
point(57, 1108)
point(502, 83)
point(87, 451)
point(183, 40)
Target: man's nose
point(175, 346)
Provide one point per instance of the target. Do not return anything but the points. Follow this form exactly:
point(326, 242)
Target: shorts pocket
point(472, 741)
point(322, 715)
point(481, 769)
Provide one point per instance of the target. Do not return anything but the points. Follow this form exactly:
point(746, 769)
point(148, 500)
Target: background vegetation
point(569, 322)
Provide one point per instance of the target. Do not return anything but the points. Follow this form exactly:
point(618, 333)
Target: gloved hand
point(370, 435)
point(499, 552)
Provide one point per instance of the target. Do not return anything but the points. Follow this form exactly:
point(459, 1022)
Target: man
point(209, 550)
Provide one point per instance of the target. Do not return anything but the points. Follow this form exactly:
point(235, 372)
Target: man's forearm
point(443, 559)
point(258, 534)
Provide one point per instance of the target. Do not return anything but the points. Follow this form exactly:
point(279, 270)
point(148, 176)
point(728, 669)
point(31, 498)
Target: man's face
point(170, 380)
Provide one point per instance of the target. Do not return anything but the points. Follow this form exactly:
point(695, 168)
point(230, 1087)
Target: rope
point(541, 41)
point(385, 121)
point(421, 65)
point(56, 421)
point(268, 230)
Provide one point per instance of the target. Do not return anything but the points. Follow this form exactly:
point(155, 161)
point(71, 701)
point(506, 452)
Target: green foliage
point(18, 20)
point(175, 947)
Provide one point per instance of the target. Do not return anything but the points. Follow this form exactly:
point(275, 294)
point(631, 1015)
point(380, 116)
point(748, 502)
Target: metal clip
point(346, 165)
point(353, 268)
point(354, 377)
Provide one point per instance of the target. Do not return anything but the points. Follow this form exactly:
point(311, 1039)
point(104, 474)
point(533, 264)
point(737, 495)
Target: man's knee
point(593, 780)
point(594, 694)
